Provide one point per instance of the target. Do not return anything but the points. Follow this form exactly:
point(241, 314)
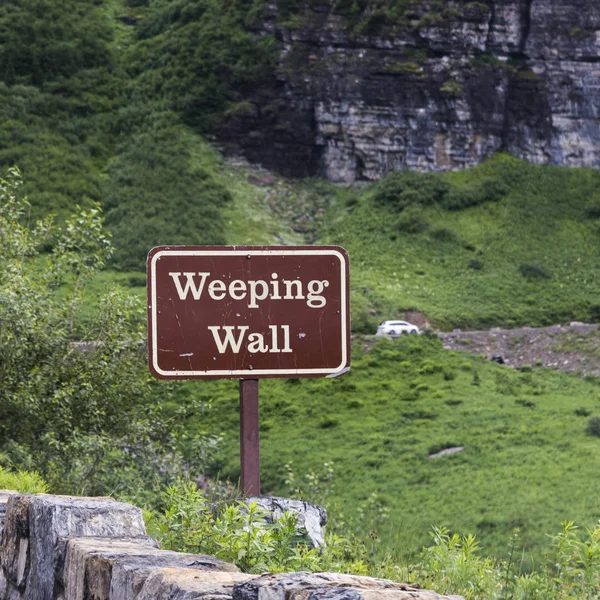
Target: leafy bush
point(449, 374)
point(525, 403)
point(475, 264)
point(198, 56)
point(593, 427)
point(237, 532)
point(43, 40)
point(53, 147)
point(442, 234)
point(412, 220)
point(592, 210)
point(26, 482)
point(474, 193)
point(533, 272)
point(453, 562)
point(85, 416)
point(405, 188)
point(582, 411)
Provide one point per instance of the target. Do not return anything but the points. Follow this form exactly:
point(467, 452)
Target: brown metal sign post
point(249, 438)
point(248, 312)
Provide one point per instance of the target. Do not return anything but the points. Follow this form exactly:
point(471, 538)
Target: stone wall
point(71, 548)
point(444, 87)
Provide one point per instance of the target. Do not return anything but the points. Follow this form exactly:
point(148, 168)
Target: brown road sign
point(247, 312)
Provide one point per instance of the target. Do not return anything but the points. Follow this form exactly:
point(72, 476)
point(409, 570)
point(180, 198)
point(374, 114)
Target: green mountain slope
point(526, 252)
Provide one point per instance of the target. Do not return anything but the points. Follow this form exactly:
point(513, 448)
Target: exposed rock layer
point(440, 88)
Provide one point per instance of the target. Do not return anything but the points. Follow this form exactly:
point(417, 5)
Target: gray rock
point(311, 517)
point(36, 532)
point(14, 554)
point(187, 584)
point(4, 496)
point(446, 452)
point(351, 106)
point(329, 586)
point(117, 569)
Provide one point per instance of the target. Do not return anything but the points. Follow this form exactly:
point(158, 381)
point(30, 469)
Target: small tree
point(85, 415)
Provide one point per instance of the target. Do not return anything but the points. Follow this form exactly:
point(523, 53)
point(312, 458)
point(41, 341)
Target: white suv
point(396, 328)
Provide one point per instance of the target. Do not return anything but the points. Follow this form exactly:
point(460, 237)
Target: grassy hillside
point(505, 243)
point(527, 462)
point(526, 253)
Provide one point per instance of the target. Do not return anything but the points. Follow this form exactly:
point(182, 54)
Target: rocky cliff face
point(439, 86)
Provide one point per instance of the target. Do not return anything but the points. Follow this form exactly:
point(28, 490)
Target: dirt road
point(574, 348)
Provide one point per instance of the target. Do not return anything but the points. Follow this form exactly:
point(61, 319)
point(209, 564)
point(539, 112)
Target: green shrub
point(26, 482)
point(428, 367)
point(405, 188)
point(412, 220)
point(592, 210)
point(355, 403)
point(361, 320)
point(474, 193)
point(351, 7)
point(533, 272)
point(199, 56)
point(475, 264)
point(373, 23)
point(420, 413)
point(46, 41)
point(593, 427)
point(441, 234)
point(449, 374)
point(582, 411)
point(87, 420)
point(237, 533)
point(452, 87)
point(525, 403)
point(58, 168)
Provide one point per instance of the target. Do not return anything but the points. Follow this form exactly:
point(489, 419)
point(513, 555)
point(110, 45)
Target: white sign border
point(247, 373)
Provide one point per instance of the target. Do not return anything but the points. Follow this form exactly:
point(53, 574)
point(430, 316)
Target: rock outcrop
point(327, 586)
point(440, 86)
point(310, 517)
point(69, 548)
